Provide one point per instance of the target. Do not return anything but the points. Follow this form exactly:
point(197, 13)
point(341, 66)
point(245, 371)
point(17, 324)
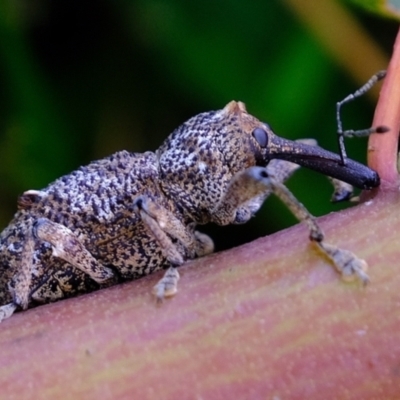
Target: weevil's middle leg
point(164, 226)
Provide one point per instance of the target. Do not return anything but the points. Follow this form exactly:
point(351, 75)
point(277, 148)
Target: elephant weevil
point(131, 214)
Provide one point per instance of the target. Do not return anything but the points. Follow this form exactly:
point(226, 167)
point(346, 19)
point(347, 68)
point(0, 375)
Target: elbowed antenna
point(321, 160)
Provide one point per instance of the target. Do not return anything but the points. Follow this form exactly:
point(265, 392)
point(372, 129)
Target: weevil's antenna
point(359, 133)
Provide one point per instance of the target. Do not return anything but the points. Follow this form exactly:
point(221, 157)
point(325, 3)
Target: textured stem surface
point(382, 148)
point(270, 319)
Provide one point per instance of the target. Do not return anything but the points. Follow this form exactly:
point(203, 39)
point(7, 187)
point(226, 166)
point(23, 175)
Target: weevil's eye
point(261, 136)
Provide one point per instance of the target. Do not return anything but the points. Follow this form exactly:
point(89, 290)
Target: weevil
point(128, 215)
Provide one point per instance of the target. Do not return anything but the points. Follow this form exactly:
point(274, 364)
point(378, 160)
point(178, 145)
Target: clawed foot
point(167, 286)
point(349, 266)
point(7, 310)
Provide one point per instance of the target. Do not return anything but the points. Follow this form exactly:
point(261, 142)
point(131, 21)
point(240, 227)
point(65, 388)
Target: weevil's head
point(198, 160)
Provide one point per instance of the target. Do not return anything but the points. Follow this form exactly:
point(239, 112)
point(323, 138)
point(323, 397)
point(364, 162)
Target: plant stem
point(382, 148)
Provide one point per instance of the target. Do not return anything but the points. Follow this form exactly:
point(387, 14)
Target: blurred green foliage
point(83, 79)
point(388, 8)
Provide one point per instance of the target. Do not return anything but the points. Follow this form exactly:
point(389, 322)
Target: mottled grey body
point(130, 214)
point(97, 203)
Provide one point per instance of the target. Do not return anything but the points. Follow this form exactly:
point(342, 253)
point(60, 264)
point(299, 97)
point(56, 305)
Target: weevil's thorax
point(198, 160)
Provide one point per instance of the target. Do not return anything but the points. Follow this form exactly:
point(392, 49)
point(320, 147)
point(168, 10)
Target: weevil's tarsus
point(382, 129)
point(364, 132)
point(343, 191)
point(167, 286)
point(348, 265)
point(7, 310)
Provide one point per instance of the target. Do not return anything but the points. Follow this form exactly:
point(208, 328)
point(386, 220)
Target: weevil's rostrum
point(131, 214)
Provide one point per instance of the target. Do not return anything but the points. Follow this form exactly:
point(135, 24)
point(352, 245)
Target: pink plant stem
point(382, 148)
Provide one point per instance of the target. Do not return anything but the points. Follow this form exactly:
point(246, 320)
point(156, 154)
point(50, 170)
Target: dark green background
point(82, 79)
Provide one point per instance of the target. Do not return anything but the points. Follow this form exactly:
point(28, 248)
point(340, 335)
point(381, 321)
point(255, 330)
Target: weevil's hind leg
point(7, 310)
point(68, 247)
point(359, 133)
point(19, 286)
point(164, 226)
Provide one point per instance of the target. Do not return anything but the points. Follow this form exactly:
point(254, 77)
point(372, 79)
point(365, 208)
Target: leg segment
point(20, 284)
point(69, 248)
point(342, 190)
point(244, 196)
point(165, 227)
point(7, 310)
point(364, 132)
point(345, 262)
point(167, 286)
point(255, 181)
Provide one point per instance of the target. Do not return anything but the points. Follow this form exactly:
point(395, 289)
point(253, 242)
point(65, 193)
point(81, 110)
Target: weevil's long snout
point(323, 161)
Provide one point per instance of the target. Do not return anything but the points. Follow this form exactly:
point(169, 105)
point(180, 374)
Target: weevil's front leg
point(253, 182)
point(346, 262)
point(163, 226)
point(364, 132)
point(243, 197)
point(67, 246)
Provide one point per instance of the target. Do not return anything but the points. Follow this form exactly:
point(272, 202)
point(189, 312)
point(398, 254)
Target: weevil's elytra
point(131, 214)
